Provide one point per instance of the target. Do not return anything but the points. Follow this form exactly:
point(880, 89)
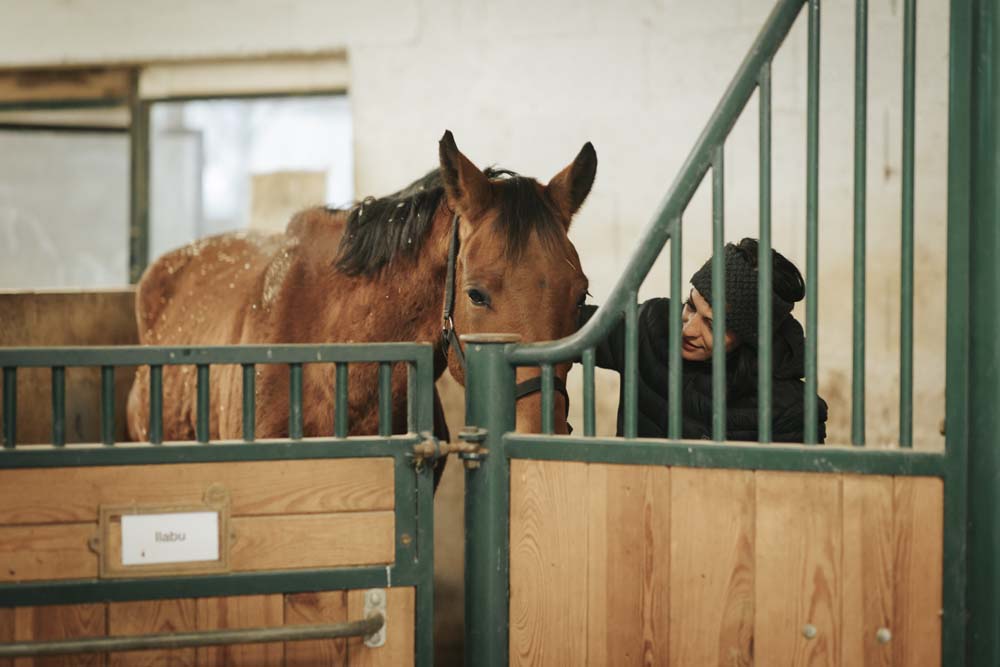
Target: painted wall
point(524, 83)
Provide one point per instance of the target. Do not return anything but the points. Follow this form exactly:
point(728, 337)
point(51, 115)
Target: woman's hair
point(788, 288)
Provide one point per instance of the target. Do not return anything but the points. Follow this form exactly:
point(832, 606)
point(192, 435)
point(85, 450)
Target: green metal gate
point(970, 462)
point(412, 564)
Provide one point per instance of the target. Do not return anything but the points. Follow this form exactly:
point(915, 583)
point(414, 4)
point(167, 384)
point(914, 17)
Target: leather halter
point(449, 338)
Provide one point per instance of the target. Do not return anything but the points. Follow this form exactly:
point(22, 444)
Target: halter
point(449, 338)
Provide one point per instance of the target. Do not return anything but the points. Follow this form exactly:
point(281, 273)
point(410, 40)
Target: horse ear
point(571, 186)
point(467, 187)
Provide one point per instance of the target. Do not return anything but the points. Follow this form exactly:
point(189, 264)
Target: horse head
point(516, 271)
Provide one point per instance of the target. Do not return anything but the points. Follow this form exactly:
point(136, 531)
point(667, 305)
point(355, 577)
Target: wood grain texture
point(629, 564)
point(867, 569)
point(918, 567)
point(152, 617)
point(6, 631)
point(249, 611)
point(305, 541)
point(255, 488)
point(31, 553)
point(548, 562)
point(712, 567)
point(64, 84)
point(60, 622)
point(315, 609)
point(103, 317)
point(400, 615)
point(797, 566)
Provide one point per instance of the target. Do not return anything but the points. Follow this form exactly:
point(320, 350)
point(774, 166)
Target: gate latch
point(470, 449)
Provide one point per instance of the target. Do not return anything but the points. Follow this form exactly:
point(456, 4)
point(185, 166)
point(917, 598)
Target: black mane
point(380, 229)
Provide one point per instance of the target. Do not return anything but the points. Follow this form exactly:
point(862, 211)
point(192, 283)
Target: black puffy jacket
point(788, 389)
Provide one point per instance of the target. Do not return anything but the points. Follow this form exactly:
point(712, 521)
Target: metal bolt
point(809, 631)
point(406, 539)
point(884, 636)
point(374, 598)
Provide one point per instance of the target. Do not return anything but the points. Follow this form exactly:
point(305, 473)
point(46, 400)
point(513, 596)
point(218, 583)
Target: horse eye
point(478, 298)
point(582, 301)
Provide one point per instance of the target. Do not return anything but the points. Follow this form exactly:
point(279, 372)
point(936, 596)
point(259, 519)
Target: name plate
point(163, 540)
point(182, 537)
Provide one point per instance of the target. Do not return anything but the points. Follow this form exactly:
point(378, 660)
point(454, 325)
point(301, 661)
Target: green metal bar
point(699, 454)
point(983, 388)
point(589, 409)
point(490, 390)
point(547, 391)
point(860, 211)
point(9, 406)
point(958, 550)
point(295, 401)
point(201, 419)
point(906, 271)
point(58, 406)
point(156, 404)
point(718, 297)
point(144, 453)
point(765, 264)
point(173, 640)
point(249, 401)
point(649, 245)
point(676, 371)
point(145, 355)
point(812, 227)
point(139, 178)
point(385, 399)
point(108, 405)
point(341, 408)
point(631, 365)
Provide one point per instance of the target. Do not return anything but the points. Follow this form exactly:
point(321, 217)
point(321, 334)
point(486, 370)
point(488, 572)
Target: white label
point(170, 538)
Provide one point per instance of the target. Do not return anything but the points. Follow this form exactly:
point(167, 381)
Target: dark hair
point(379, 230)
point(788, 287)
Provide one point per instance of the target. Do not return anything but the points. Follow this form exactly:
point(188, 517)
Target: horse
point(375, 272)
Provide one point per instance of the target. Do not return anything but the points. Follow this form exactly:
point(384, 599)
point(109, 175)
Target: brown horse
point(376, 272)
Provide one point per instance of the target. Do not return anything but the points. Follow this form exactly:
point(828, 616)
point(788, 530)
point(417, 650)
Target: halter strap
point(449, 338)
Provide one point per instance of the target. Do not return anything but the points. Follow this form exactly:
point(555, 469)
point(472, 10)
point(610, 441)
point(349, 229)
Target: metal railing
point(754, 75)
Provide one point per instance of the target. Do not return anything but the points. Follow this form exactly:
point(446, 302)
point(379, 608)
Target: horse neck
point(408, 293)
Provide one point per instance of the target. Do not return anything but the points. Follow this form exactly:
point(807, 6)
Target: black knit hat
point(741, 288)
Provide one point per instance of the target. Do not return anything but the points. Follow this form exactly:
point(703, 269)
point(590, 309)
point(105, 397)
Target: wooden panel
point(327, 540)
point(867, 569)
point(315, 609)
point(105, 317)
point(47, 552)
point(548, 562)
point(63, 84)
point(797, 565)
point(400, 614)
point(250, 611)
point(6, 631)
point(255, 488)
point(152, 617)
point(60, 622)
point(918, 566)
point(712, 567)
point(629, 559)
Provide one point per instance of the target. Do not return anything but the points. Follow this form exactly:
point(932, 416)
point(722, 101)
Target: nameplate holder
point(164, 540)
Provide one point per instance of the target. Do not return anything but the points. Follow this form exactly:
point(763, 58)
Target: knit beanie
point(741, 288)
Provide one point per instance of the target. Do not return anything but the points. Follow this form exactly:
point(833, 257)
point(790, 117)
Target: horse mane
point(379, 230)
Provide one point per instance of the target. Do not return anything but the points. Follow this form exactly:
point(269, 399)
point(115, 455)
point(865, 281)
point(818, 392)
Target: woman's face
point(696, 332)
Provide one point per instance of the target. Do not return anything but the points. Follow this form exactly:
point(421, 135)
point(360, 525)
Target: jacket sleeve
point(653, 324)
point(610, 352)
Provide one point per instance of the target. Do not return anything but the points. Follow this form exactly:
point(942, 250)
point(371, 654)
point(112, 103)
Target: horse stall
point(244, 552)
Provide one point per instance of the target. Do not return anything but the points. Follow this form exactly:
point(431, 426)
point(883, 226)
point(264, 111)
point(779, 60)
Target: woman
point(697, 344)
